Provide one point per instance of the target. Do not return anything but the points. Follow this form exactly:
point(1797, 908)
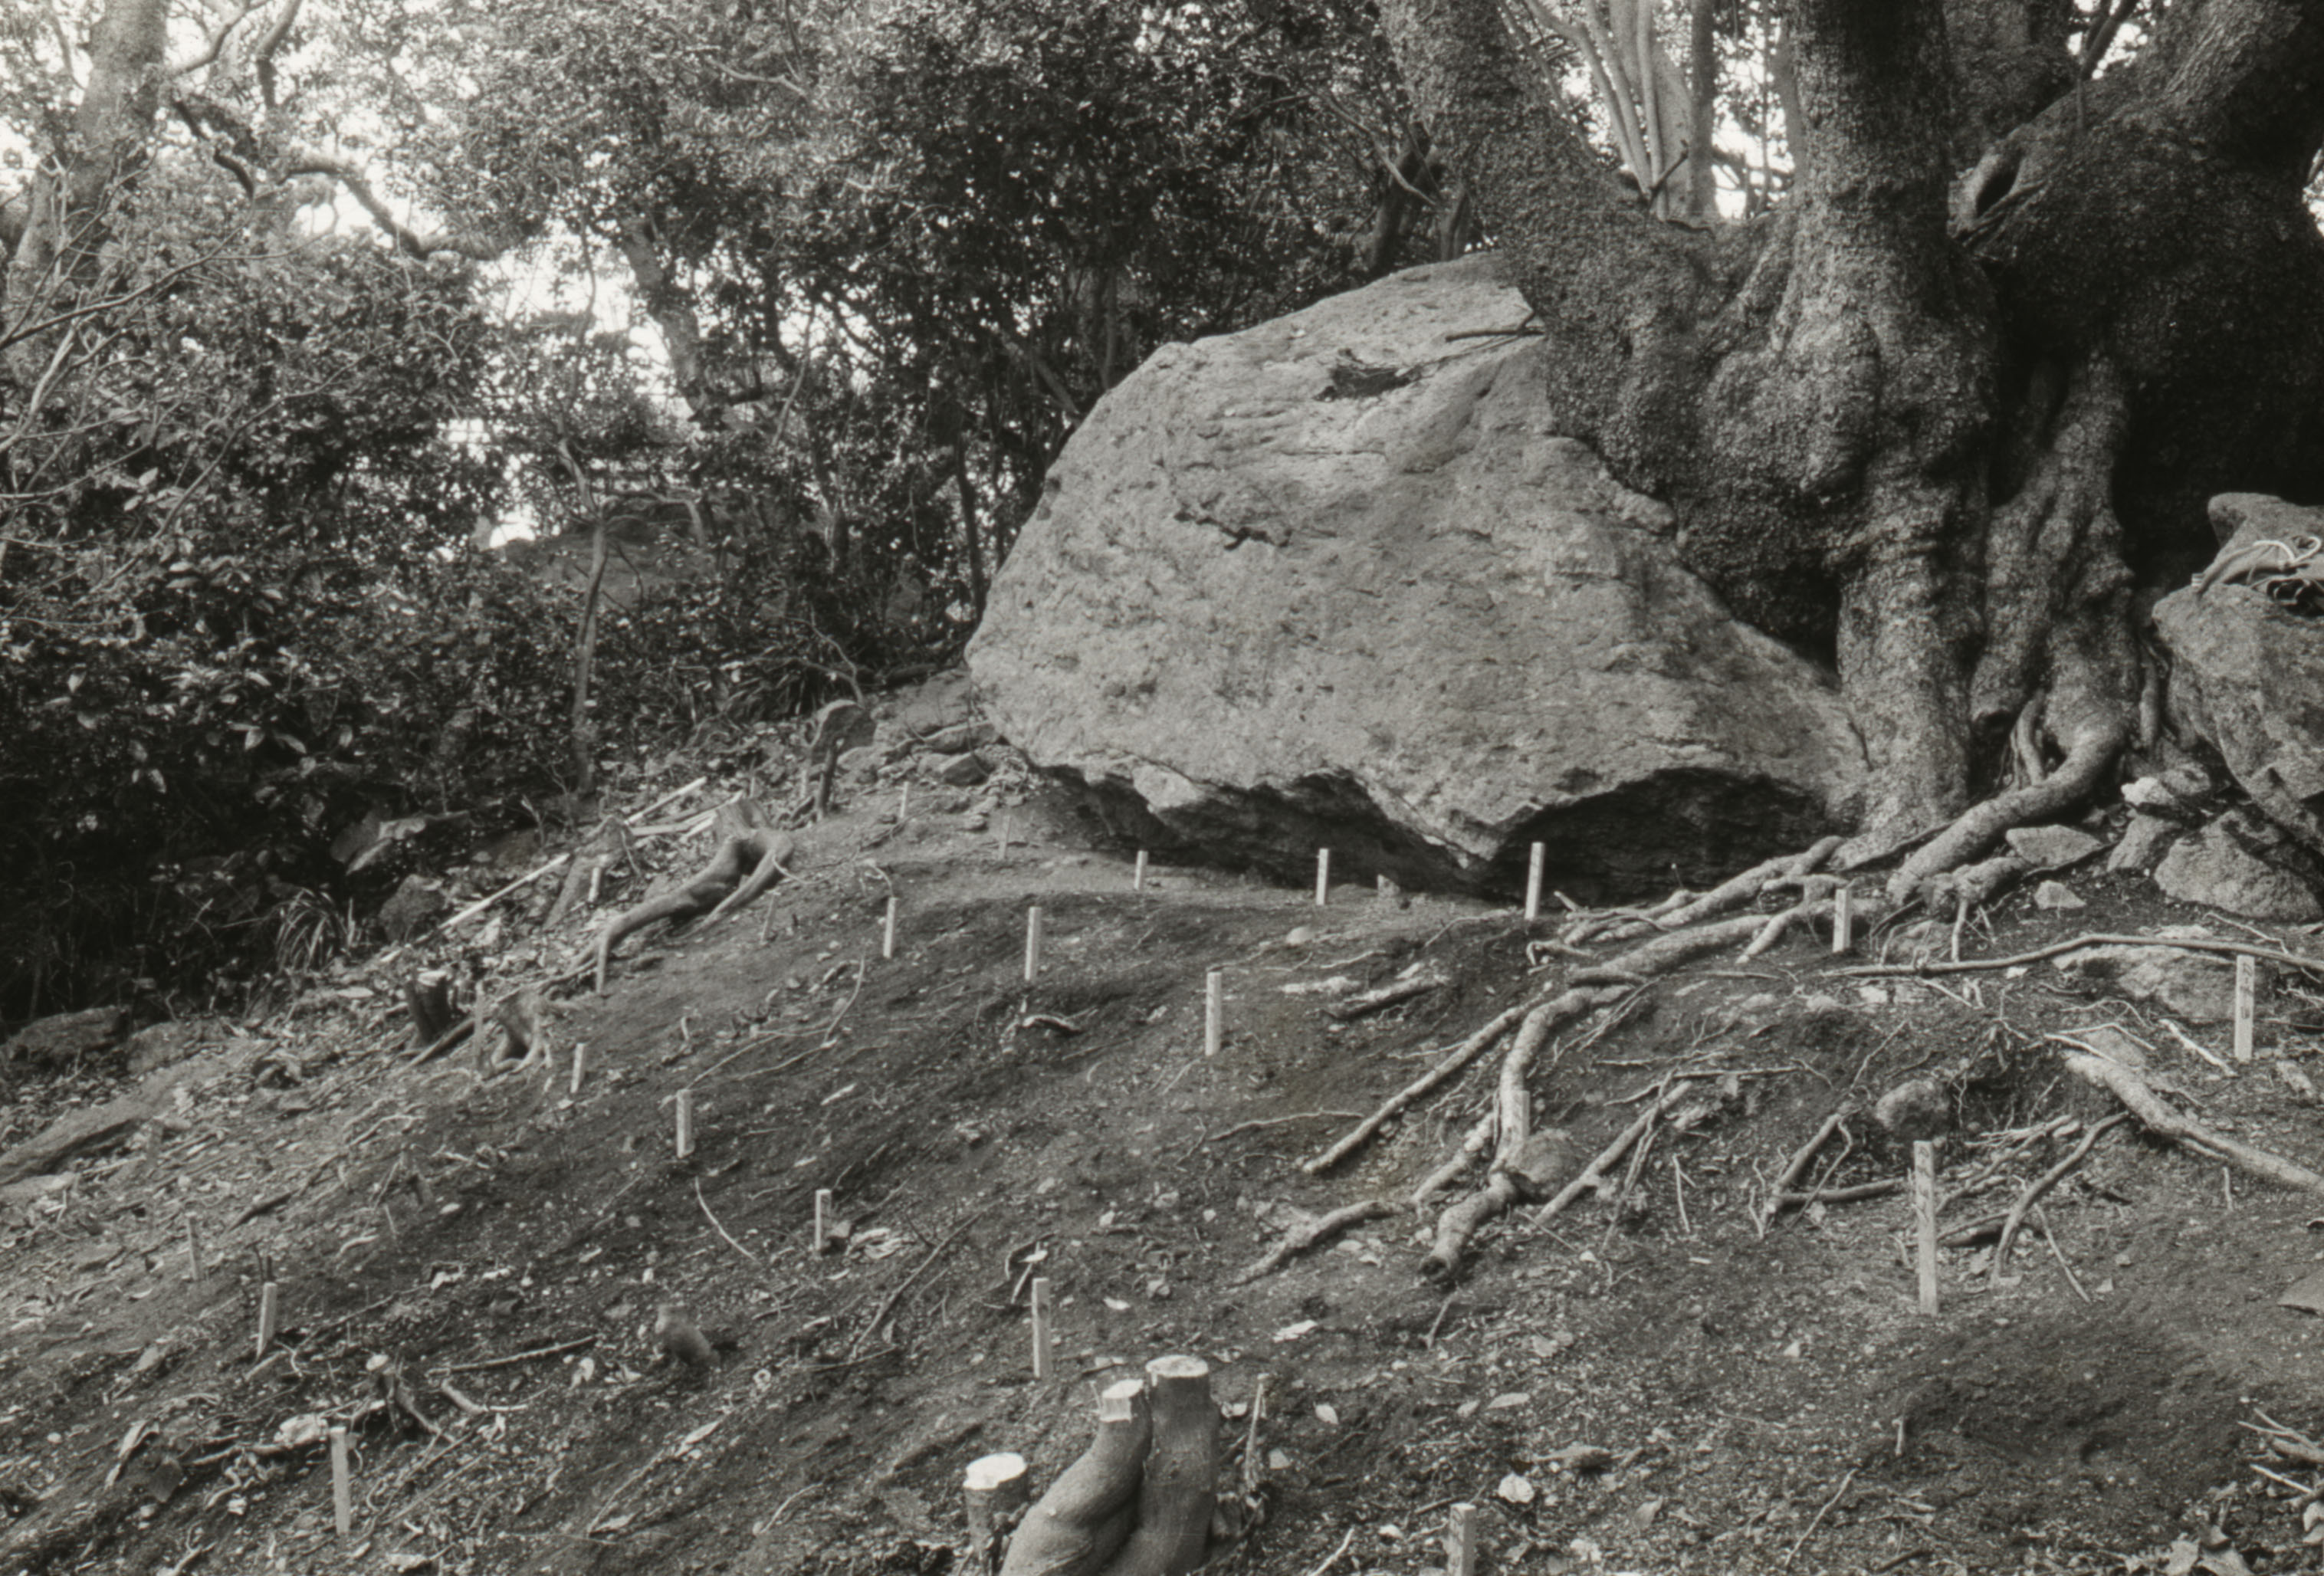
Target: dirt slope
point(494, 1253)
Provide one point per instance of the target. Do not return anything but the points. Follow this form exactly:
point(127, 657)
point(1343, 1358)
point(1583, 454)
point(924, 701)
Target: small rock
point(1516, 1490)
point(2306, 1294)
point(2144, 842)
point(2047, 848)
point(963, 771)
point(1917, 1111)
point(2198, 987)
point(961, 738)
point(2214, 867)
point(2057, 895)
point(2149, 794)
point(416, 905)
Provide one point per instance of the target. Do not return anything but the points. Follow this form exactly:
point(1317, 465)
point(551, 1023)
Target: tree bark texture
point(1940, 427)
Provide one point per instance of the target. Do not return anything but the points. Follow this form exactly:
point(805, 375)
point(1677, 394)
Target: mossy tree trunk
point(1951, 415)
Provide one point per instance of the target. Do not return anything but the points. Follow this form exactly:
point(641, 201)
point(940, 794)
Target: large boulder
point(1339, 580)
point(2247, 674)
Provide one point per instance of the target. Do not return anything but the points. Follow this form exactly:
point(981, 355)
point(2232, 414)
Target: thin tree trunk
point(1703, 80)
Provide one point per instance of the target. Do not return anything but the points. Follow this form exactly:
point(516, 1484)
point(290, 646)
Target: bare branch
point(214, 44)
point(414, 242)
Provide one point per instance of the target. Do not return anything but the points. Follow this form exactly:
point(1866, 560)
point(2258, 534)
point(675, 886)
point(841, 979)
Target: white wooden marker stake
point(1138, 875)
point(1032, 943)
point(580, 1065)
point(1533, 883)
point(1041, 1327)
point(1323, 876)
point(266, 1302)
point(1843, 919)
point(343, 1507)
point(1005, 836)
point(821, 1219)
point(193, 1245)
point(904, 805)
point(888, 934)
point(1461, 1542)
point(1924, 1218)
point(1214, 1012)
point(685, 1123)
point(2246, 990)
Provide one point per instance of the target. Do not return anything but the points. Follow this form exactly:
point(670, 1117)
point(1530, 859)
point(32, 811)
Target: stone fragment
point(2198, 987)
point(2216, 867)
point(2248, 675)
point(963, 771)
point(2057, 895)
point(2049, 848)
point(415, 907)
point(2144, 843)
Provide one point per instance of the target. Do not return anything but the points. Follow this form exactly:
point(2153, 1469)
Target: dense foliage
point(883, 257)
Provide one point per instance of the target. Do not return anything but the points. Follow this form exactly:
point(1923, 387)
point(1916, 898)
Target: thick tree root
point(749, 859)
point(2072, 785)
point(2163, 1122)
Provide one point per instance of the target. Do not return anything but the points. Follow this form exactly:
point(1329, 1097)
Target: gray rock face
point(66, 1037)
point(2200, 987)
point(1337, 581)
point(2248, 676)
point(414, 907)
point(2047, 848)
point(2216, 866)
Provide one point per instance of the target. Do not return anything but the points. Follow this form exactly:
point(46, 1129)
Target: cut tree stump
point(1142, 1499)
point(1084, 1517)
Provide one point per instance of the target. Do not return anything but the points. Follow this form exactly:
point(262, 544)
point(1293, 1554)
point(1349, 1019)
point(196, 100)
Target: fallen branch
point(1797, 1167)
point(2016, 1219)
point(880, 1315)
point(1300, 1238)
point(559, 1349)
point(2162, 1120)
point(1389, 994)
point(1275, 1121)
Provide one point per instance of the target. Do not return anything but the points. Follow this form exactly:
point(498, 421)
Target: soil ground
point(1753, 1396)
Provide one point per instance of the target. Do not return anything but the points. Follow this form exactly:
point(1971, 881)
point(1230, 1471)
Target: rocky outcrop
point(2248, 674)
point(1338, 581)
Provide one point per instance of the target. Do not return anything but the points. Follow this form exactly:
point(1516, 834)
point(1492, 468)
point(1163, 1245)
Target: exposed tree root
point(1447, 1067)
point(2162, 1122)
point(2043, 1185)
point(749, 859)
point(1322, 1229)
point(1523, 1160)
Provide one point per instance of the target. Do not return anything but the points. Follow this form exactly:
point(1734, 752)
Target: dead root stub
point(752, 856)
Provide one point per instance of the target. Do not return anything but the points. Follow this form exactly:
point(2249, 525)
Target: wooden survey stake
point(1322, 877)
point(1843, 919)
point(1924, 1218)
point(685, 1123)
point(888, 932)
point(1533, 882)
point(1032, 943)
point(1214, 1012)
point(343, 1507)
point(1041, 1327)
point(2246, 1003)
